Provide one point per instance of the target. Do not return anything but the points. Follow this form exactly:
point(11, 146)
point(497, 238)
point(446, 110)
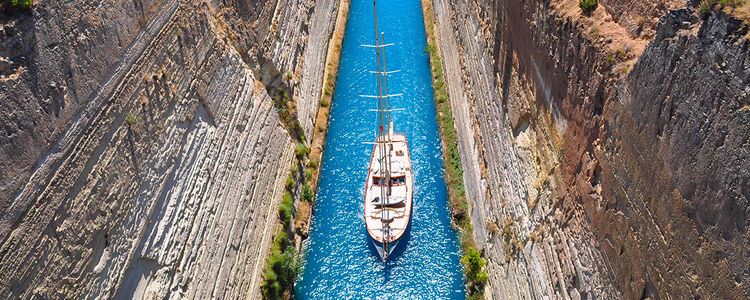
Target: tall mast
point(387, 120)
point(381, 140)
point(385, 87)
point(381, 117)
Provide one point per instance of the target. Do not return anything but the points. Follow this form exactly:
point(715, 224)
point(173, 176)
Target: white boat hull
point(388, 215)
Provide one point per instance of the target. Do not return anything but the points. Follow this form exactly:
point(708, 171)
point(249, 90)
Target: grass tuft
point(131, 120)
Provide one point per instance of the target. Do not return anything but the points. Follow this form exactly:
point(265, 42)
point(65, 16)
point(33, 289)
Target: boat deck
point(388, 221)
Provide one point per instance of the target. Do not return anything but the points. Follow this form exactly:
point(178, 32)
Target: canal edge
point(295, 209)
point(475, 274)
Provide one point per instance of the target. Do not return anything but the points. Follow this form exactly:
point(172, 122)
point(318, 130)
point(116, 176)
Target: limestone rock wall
point(511, 136)
point(52, 64)
point(679, 131)
point(577, 187)
point(156, 164)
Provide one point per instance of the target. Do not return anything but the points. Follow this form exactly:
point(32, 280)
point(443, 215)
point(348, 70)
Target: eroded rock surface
point(589, 177)
point(143, 154)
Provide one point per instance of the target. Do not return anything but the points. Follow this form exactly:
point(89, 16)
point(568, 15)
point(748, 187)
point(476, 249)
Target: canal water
point(340, 262)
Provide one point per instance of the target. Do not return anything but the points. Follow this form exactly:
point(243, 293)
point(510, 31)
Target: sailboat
point(389, 184)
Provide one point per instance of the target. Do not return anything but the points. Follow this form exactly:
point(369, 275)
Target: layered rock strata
point(143, 154)
point(588, 176)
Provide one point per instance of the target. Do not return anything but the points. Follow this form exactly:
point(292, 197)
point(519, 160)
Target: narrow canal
point(340, 262)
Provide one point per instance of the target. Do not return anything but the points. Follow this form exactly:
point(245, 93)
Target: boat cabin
point(395, 181)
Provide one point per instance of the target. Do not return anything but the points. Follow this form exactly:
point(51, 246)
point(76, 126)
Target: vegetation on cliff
point(474, 264)
point(587, 6)
point(283, 263)
point(16, 5)
point(286, 107)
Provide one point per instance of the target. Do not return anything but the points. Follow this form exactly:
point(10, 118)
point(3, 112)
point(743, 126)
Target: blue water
point(340, 262)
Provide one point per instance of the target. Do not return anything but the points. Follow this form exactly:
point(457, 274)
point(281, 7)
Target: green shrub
point(476, 296)
point(285, 266)
point(323, 103)
point(290, 183)
point(285, 213)
point(271, 288)
point(270, 275)
point(307, 193)
point(282, 269)
point(439, 84)
point(437, 69)
point(130, 119)
point(312, 163)
point(280, 242)
point(587, 6)
point(301, 150)
point(17, 5)
point(308, 174)
point(474, 268)
point(430, 48)
point(285, 209)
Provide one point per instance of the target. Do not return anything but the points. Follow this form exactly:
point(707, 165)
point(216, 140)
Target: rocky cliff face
point(142, 153)
point(598, 166)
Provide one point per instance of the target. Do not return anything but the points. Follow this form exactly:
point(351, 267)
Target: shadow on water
point(393, 258)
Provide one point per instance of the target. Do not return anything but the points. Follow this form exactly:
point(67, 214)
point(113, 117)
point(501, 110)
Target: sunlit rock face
point(605, 155)
point(143, 155)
